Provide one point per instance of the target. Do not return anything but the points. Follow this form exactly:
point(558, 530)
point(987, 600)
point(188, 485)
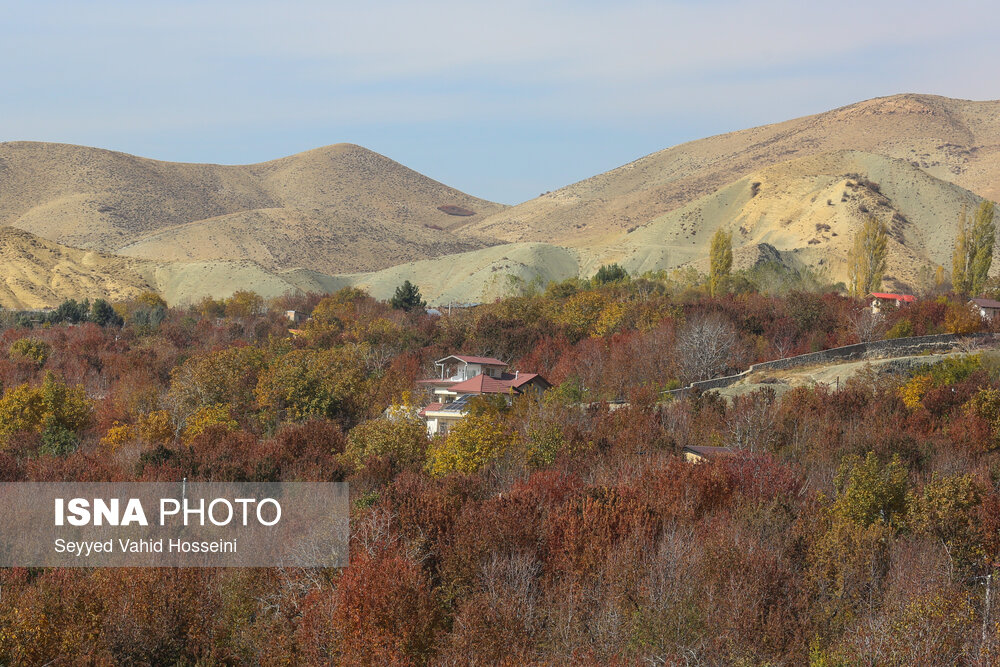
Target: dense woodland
point(855, 526)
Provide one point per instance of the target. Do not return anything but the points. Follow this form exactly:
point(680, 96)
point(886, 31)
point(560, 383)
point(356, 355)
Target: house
point(295, 316)
point(463, 377)
point(701, 454)
point(988, 309)
point(882, 299)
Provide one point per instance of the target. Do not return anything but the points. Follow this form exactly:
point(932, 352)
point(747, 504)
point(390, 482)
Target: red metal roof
point(430, 408)
point(908, 298)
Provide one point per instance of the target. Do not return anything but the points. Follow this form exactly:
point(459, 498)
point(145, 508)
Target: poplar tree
point(866, 260)
point(973, 250)
point(960, 257)
point(721, 259)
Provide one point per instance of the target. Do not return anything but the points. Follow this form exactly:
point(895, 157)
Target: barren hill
point(809, 209)
point(954, 140)
point(338, 208)
point(802, 212)
point(40, 274)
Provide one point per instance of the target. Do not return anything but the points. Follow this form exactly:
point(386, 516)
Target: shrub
point(402, 440)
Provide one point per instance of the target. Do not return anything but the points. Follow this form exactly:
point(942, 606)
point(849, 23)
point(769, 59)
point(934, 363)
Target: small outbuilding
point(701, 454)
point(882, 299)
point(988, 309)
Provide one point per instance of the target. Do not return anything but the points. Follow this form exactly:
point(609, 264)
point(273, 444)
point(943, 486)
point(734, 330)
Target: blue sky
point(501, 100)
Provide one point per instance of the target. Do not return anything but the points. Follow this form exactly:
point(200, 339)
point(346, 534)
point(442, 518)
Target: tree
point(244, 303)
point(407, 297)
point(404, 440)
point(704, 347)
point(973, 254)
point(306, 383)
point(471, 444)
point(721, 259)
point(866, 260)
point(102, 314)
point(610, 273)
point(869, 492)
point(54, 410)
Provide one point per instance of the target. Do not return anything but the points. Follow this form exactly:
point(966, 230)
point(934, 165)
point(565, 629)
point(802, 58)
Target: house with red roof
point(462, 377)
point(882, 299)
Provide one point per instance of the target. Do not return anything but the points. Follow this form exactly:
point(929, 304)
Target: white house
point(463, 377)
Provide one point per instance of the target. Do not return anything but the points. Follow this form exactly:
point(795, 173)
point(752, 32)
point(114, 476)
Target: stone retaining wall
point(895, 347)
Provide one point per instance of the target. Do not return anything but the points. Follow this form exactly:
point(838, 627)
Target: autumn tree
point(721, 260)
point(308, 383)
point(866, 260)
point(244, 303)
point(403, 439)
point(30, 349)
point(973, 254)
point(469, 446)
point(869, 492)
point(54, 410)
point(228, 376)
point(704, 346)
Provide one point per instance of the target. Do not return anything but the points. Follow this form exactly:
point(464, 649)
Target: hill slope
point(809, 209)
point(40, 274)
point(336, 208)
point(802, 212)
point(954, 140)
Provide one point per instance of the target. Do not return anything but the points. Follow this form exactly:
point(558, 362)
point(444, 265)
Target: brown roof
point(484, 384)
point(986, 303)
point(485, 361)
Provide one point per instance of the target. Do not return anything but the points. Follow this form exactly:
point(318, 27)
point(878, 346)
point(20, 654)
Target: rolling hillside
point(338, 208)
point(954, 140)
point(40, 274)
point(795, 192)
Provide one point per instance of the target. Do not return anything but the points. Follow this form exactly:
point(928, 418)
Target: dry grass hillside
point(801, 212)
point(954, 140)
point(809, 209)
point(338, 208)
point(40, 274)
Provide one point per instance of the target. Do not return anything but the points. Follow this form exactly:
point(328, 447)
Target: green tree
point(721, 260)
point(610, 273)
point(102, 314)
point(973, 254)
point(308, 383)
point(866, 260)
point(407, 297)
point(946, 510)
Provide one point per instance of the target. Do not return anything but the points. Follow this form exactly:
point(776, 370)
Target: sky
point(503, 100)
